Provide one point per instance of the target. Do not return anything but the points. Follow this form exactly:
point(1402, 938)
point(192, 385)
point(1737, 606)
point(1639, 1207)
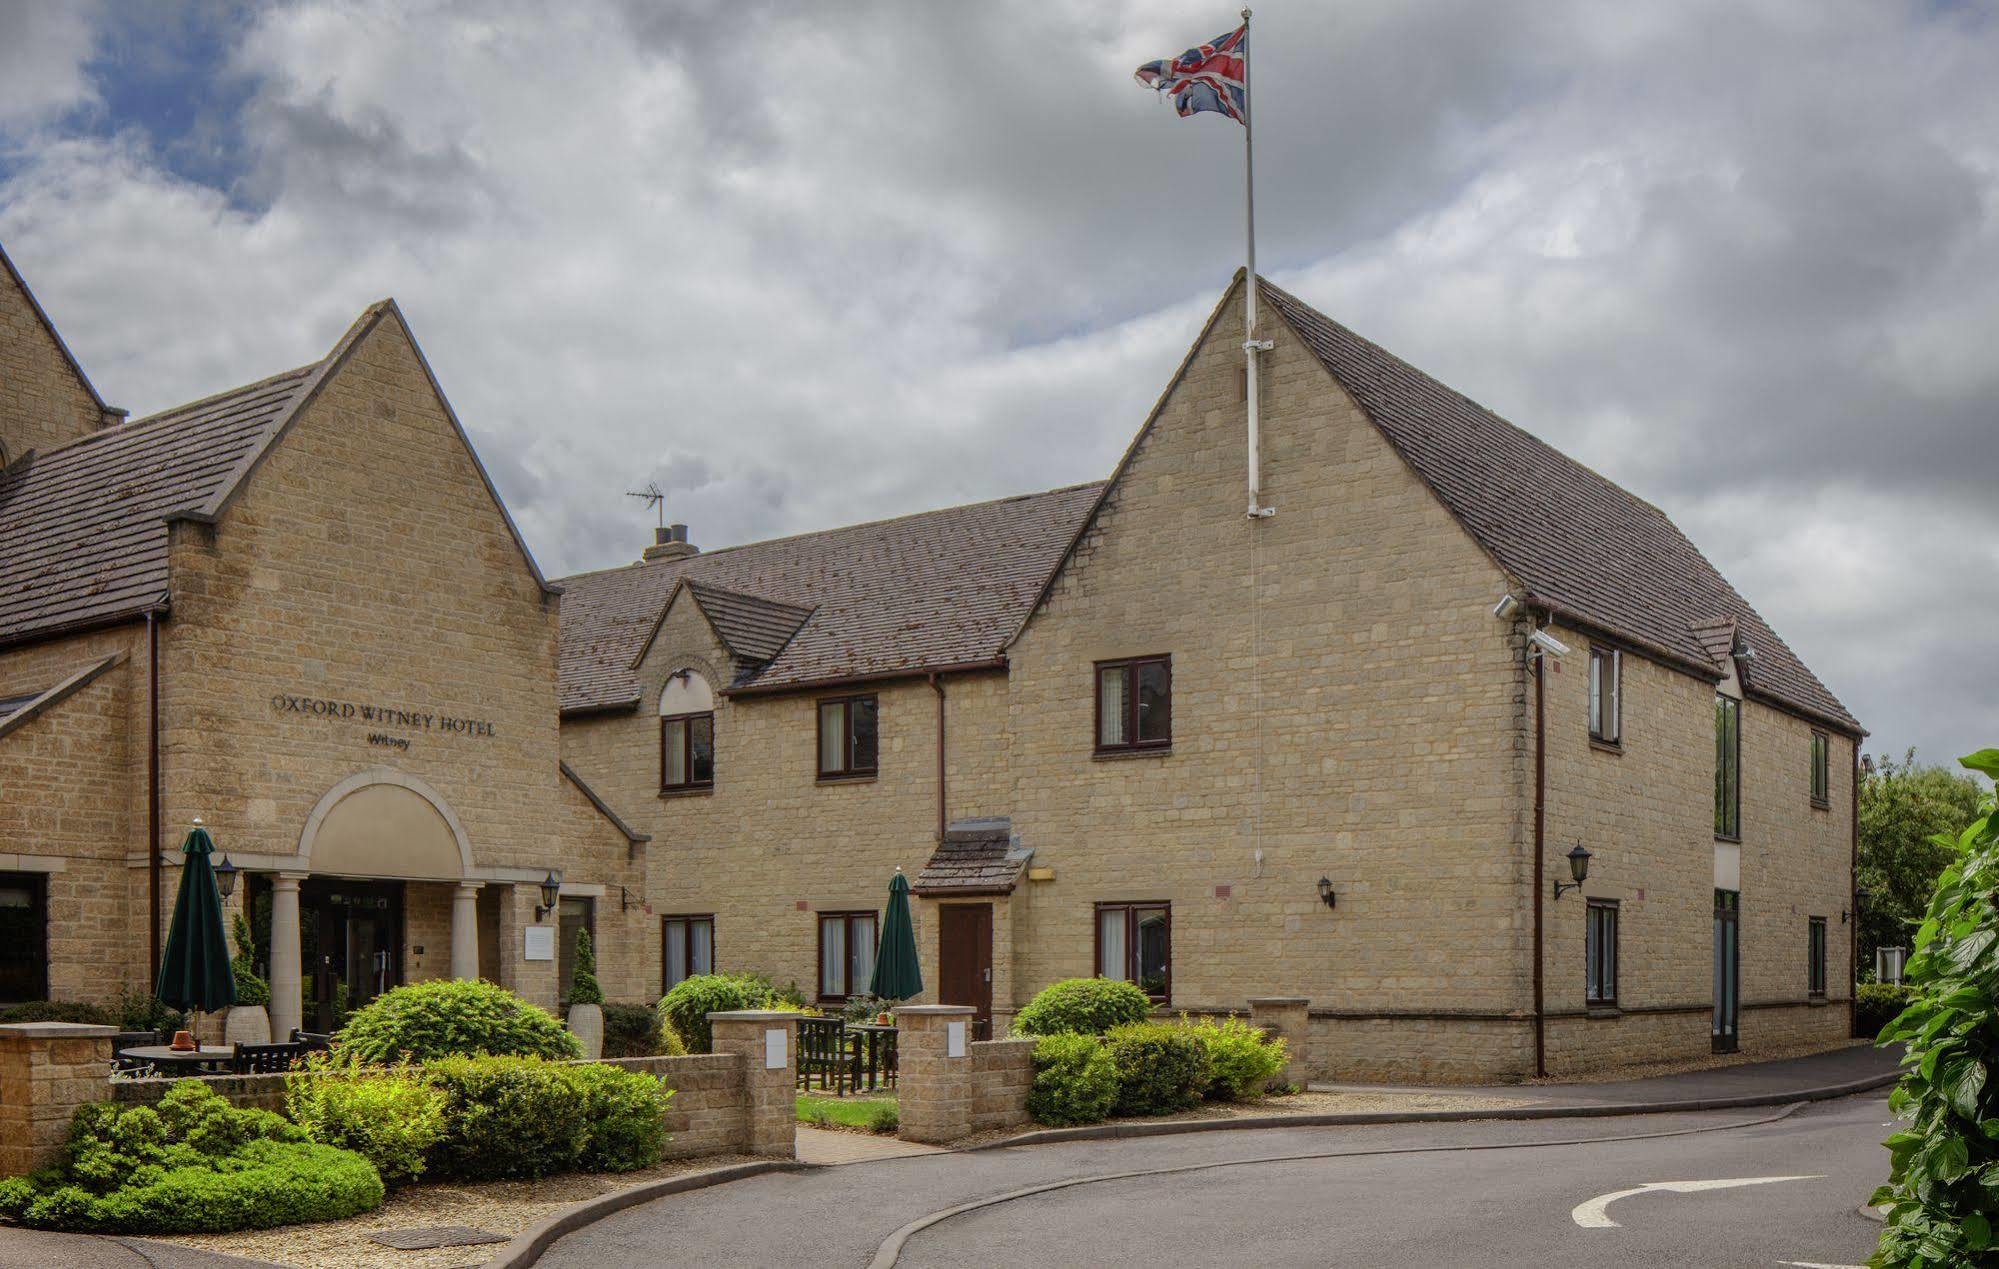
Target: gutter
point(856, 680)
point(1540, 833)
point(153, 797)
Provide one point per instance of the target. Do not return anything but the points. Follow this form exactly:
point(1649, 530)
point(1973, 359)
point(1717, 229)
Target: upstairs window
point(686, 734)
point(1727, 767)
point(849, 737)
point(1606, 691)
point(1820, 771)
point(1815, 968)
point(1601, 952)
point(1135, 945)
point(846, 954)
point(1134, 704)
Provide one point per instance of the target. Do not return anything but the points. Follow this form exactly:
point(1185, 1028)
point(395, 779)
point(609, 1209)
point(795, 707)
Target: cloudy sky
point(806, 263)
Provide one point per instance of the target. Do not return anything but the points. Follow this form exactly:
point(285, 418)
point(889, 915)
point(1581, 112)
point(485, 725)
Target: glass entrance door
point(351, 936)
point(1727, 969)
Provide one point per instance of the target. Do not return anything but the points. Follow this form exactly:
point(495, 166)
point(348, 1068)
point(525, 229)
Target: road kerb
point(528, 1247)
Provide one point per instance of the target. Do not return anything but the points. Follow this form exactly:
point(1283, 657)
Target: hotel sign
point(380, 716)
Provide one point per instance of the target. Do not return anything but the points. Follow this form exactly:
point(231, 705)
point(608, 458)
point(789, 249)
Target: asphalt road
point(1419, 1195)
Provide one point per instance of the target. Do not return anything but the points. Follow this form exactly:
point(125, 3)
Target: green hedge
point(636, 1031)
point(1074, 1080)
point(1161, 1068)
point(250, 989)
point(192, 1164)
point(685, 1009)
point(392, 1118)
point(1875, 1006)
point(525, 1117)
point(1944, 1170)
point(451, 1018)
point(1085, 1006)
point(626, 1113)
point(1241, 1058)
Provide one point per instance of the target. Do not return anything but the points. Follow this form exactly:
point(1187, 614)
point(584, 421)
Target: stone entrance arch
point(384, 823)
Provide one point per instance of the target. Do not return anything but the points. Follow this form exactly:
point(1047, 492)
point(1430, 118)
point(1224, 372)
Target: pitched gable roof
point(1582, 546)
point(922, 592)
point(83, 527)
point(41, 315)
point(752, 628)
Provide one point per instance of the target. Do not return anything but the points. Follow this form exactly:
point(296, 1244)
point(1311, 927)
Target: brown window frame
point(819, 942)
point(689, 919)
point(1593, 978)
point(685, 723)
point(1821, 770)
point(1728, 793)
point(1130, 667)
point(1815, 956)
point(1131, 909)
point(1613, 658)
point(849, 771)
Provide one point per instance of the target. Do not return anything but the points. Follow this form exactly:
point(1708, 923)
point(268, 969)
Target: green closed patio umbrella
point(194, 972)
point(896, 975)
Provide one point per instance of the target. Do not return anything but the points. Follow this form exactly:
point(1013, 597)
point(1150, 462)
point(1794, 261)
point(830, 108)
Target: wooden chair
point(822, 1051)
point(266, 1059)
point(314, 1041)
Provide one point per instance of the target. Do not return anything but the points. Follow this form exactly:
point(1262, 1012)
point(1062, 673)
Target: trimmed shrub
point(1875, 1006)
point(60, 1011)
point(192, 1164)
point(1160, 1068)
point(632, 1031)
point(507, 1117)
point(626, 1114)
point(251, 990)
point(685, 1009)
point(1074, 1080)
point(391, 1118)
point(1944, 1170)
point(142, 1011)
point(451, 1018)
point(583, 986)
point(1084, 1006)
point(1240, 1057)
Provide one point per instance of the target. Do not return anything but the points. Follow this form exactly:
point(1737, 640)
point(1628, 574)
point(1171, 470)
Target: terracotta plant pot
point(183, 1042)
point(885, 1019)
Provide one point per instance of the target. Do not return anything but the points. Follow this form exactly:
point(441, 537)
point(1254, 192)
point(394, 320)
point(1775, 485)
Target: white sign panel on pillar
point(538, 943)
point(954, 1039)
point(774, 1048)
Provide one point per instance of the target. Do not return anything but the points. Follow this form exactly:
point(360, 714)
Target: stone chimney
point(670, 543)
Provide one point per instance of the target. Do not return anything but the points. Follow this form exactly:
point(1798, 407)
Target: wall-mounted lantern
point(551, 890)
point(1578, 868)
point(1326, 895)
point(1859, 899)
point(225, 877)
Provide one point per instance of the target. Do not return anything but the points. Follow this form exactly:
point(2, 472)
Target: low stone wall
point(251, 1092)
point(1002, 1075)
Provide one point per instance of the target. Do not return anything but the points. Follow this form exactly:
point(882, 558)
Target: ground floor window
point(1601, 952)
point(846, 954)
point(1815, 972)
point(572, 914)
point(24, 937)
point(687, 947)
point(1135, 945)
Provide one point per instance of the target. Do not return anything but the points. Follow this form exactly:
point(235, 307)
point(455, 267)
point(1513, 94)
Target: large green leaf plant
point(1943, 1190)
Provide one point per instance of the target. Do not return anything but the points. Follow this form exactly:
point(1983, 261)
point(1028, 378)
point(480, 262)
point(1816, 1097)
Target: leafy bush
point(508, 1117)
point(626, 1112)
point(1160, 1068)
point(390, 1118)
point(1875, 1006)
point(583, 986)
point(250, 989)
point(1944, 1170)
point(60, 1011)
point(1074, 1080)
point(1086, 1006)
point(142, 1011)
point(685, 1009)
point(633, 1031)
point(1240, 1057)
point(450, 1018)
point(191, 1164)
point(865, 1008)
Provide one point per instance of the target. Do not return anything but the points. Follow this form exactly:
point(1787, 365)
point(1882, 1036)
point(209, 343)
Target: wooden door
point(965, 961)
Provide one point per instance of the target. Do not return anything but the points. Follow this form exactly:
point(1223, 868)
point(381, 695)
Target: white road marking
point(1594, 1214)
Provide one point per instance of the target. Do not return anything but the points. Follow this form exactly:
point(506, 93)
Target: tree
point(1904, 806)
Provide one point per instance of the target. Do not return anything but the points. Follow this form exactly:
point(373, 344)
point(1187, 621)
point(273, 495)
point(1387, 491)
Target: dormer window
point(686, 734)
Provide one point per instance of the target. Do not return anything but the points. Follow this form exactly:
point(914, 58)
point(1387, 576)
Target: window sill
point(1818, 1000)
point(696, 791)
point(1603, 1009)
point(1125, 755)
point(1607, 746)
point(863, 777)
point(1821, 804)
point(1732, 839)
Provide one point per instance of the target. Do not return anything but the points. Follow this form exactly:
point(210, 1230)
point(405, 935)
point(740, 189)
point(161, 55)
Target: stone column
point(934, 1087)
point(1288, 1018)
point(287, 978)
point(767, 1041)
point(465, 930)
point(47, 1070)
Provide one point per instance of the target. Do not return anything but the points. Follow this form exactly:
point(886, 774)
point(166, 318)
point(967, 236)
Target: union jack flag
point(1206, 77)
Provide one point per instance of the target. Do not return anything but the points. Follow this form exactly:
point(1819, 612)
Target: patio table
point(196, 1060)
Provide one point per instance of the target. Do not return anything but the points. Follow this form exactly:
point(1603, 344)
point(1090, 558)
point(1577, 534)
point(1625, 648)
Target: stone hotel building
point(1346, 754)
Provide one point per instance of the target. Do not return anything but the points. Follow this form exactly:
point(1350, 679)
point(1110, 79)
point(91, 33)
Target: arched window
point(686, 734)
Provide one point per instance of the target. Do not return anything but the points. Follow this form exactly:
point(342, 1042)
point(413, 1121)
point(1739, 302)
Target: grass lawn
point(869, 1114)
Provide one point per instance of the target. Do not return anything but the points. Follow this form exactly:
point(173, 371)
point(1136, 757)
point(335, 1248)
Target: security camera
point(1548, 643)
point(1506, 607)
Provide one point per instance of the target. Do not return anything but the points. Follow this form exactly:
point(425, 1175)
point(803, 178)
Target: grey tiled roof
point(1577, 542)
point(753, 629)
point(83, 528)
point(975, 857)
point(940, 588)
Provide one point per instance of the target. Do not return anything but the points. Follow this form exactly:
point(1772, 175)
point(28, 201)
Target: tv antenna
point(652, 496)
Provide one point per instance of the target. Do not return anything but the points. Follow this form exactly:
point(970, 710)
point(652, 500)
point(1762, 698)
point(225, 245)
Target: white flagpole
point(1251, 345)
